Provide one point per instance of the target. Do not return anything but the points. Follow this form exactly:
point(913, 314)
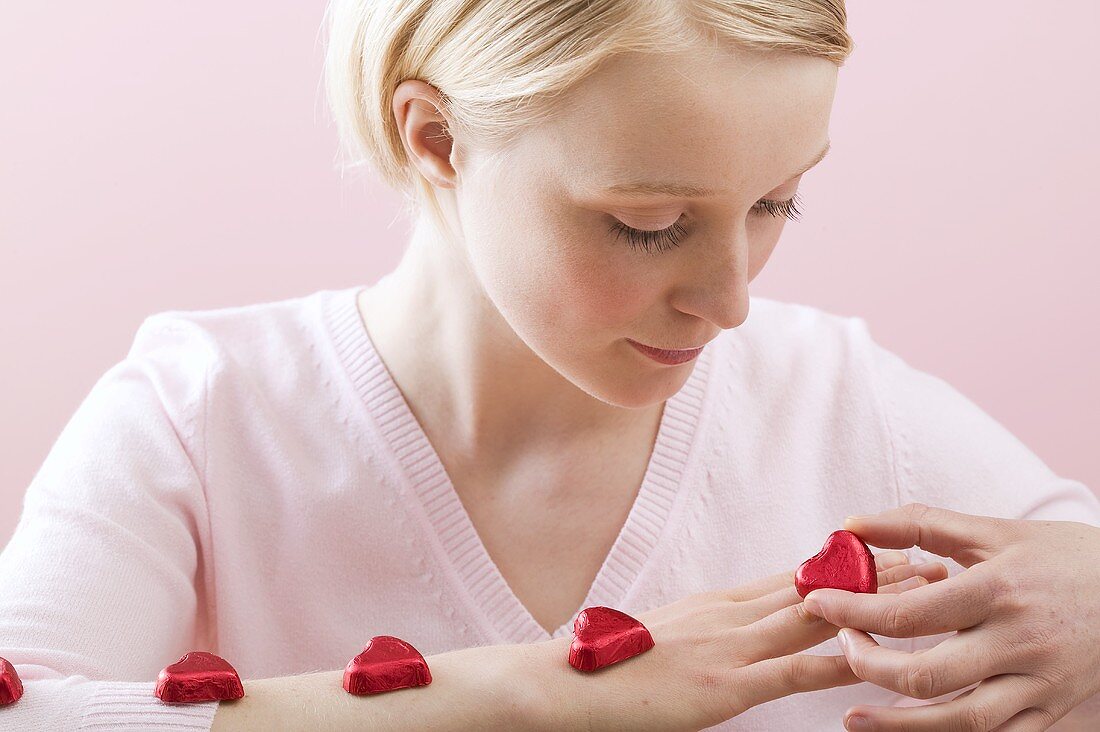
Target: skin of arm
point(484, 688)
point(743, 637)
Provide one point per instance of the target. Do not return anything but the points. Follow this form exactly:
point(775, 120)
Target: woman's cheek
point(604, 290)
point(585, 278)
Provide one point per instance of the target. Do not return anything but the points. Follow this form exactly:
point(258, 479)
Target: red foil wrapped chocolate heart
point(11, 688)
point(844, 563)
point(197, 677)
point(387, 663)
point(603, 636)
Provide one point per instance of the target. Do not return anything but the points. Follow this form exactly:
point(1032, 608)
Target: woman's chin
point(638, 385)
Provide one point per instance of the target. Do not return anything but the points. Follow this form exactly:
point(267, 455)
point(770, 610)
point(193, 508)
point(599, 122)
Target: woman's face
point(546, 234)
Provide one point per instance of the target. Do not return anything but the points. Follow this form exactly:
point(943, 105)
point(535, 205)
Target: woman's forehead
point(637, 112)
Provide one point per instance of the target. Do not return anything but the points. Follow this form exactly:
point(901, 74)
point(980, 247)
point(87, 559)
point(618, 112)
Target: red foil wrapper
point(387, 663)
point(603, 636)
point(197, 677)
point(844, 563)
point(11, 688)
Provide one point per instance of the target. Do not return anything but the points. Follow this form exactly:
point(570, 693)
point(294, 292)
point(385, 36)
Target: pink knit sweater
point(250, 481)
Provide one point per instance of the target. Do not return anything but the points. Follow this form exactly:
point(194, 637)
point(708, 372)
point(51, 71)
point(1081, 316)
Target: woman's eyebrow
point(686, 190)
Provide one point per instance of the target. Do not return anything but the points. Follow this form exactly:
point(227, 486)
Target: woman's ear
point(424, 131)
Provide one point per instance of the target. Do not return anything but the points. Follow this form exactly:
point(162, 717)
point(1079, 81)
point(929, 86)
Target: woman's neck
point(464, 371)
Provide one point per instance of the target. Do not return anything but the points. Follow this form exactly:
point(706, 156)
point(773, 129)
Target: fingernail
point(929, 566)
point(893, 558)
point(856, 723)
point(843, 639)
point(858, 517)
point(912, 582)
point(812, 604)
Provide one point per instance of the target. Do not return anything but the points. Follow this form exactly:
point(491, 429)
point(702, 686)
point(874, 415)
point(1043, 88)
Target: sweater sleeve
point(102, 582)
point(948, 452)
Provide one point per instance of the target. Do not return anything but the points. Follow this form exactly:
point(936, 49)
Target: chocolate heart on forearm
point(844, 563)
point(604, 636)
point(197, 677)
point(386, 663)
point(11, 688)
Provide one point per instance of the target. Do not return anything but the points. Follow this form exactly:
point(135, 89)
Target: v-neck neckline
point(648, 518)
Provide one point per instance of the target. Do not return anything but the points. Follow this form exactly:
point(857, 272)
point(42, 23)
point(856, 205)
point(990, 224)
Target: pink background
point(159, 156)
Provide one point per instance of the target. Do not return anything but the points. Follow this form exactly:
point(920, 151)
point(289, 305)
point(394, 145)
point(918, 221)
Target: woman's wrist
point(546, 694)
point(503, 687)
point(486, 687)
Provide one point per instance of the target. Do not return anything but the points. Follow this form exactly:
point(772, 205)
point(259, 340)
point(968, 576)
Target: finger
point(965, 538)
point(785, 631)
point(923, 574)
point(886, 560)
point(778, 677)
point(931, 571)
point(955, 603)
point(764, 606)
point(1035, 719)
point(760, 587)
point(767, 585)
point(968, 691)
point(984, 708)
point(951, 665)
point(788, 594)
point(902, 586)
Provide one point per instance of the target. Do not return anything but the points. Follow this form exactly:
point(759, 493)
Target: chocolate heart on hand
point(604, 636)
point(197, 677)
point(11, 688)
point(386, 663)
point(844, 563)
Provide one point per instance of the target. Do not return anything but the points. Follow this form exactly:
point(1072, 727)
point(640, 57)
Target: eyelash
point(665, 239)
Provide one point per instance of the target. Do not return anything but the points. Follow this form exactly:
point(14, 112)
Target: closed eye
point(667, 238)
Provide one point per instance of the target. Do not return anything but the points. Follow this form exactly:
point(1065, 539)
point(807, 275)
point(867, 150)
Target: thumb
point(965, 538)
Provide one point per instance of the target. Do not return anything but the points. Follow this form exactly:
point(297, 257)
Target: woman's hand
point(716, 654)
point(1027, 612)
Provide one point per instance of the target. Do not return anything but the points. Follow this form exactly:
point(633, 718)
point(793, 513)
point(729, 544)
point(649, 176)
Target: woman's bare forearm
point(482, 688)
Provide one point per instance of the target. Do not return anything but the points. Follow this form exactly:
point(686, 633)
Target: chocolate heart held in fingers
point(197, 677)
point(387, 663)
point(603, 636)
point(844, 563)
point(11, 688)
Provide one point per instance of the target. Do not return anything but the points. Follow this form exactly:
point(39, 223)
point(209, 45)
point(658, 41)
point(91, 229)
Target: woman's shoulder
point(254, 337)
point(947, 450)
point(229, 360)
point(237, 329)
point(789, 344)
point(780, 326)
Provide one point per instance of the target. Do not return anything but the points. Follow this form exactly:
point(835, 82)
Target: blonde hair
point(498, 64)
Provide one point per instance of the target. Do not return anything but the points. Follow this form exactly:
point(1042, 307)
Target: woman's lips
point(666, 356)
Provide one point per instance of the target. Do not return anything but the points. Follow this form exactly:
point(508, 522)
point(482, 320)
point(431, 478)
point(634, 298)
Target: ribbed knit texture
point(251, 481)
point(450, 522)
point(121, 705)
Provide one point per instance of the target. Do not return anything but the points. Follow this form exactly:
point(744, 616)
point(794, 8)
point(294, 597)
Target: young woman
point(563, 396)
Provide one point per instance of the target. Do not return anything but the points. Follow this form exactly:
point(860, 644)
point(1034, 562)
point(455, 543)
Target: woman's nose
point(718, 288)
